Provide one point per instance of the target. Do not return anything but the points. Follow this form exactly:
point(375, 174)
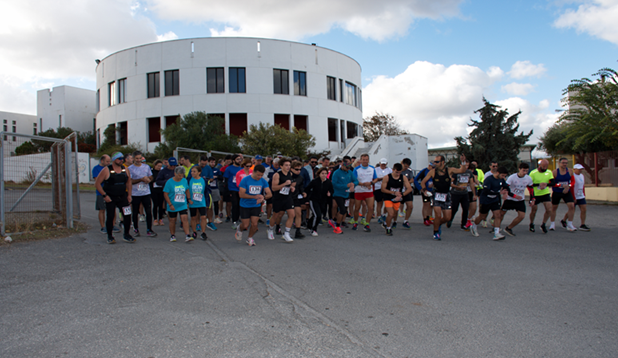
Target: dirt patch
point(44, 232)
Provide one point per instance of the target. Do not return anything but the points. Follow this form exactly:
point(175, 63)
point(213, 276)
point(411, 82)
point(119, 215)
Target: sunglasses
point(314, 162)
point(437, 161)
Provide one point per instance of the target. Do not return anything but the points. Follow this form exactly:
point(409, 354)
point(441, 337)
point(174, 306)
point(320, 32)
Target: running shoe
point(173, 238)
point(155, 222)
point(473, 230)
point(267, 222)
point(142, 218)
point(188, 238)
point(394, 226)
point(352, 221)
point(571, 228)
point(468, 224)
point(584, 228)
point(278, 230)
point(531, 228)
point(552, 227)
point(271, 234)
point(406, 225)
point(303, 226)
point(194, 235)
point(427, 222)
point(161, 223)
point(363, 222)
point(431, 219)
point(484, 223)
point(498, 236)
point(436, 237)
point(343, 224)
point(509, 231)
point(380, 219)
point(544, 228)
point(228, 219)
point(136, 233)
point(234, 226)
point(198, 227)
point(238, 235)
point(203, 236)
point(218, 221)
point(332, 224)
point(463, 228)
point(563, 223)
point(220, 215)
point(251, 242)
point(440, 229)
point(367, 228)
point(128, 238)
point(314, 233)
point(401, 214)
point(287, 238)
point(117, 229)
point(211, 226)
point(298, 235)
point(355, 227)
point(151, 233)
point(103, 231)
point(111, 240)
point(338, 231)
point(389, 232)
point(449, 223)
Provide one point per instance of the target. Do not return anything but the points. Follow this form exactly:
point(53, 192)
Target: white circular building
point(142, 89)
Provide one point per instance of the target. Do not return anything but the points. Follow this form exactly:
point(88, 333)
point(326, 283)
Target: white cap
point(578, 166)
point(383, 161)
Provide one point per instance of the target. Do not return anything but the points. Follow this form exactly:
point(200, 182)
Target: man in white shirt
point(366, 176)
point(579, 194)
point(518, 183)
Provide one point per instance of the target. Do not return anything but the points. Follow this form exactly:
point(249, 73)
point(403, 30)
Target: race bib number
point(213, 183)
point(126, 210)
point(580, 193)
point(300, 196)
point(234, 179)
point(179, 198)
point(395, 189)
point(440, 196)
point(285, 190)
point(464, 179)
point(141, 186)
point(255, 189)
point(347, 203)
point(198, 196)
point(564, 183)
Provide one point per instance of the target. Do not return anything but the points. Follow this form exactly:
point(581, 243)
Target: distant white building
point(16, 123)
point(143, 89)
point(66, 106)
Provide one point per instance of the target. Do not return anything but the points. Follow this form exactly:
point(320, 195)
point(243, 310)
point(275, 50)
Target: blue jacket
point(340, 180)
point(163, 176)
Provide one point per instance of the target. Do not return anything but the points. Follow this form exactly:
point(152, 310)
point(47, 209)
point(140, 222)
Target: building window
point(123, 133)
point(111, 94)
point(332, 130)
point(331, 88)
point(283, 120)
point(342, 131)
point(122, 90)
point(238, 123)
point(154, 129)
point(215, 80)
point(5, 128)
point(98, 100)
point(350, 94)
point(281, 81)
point(300, 122)
point(352, 130)
point(237, 80)
point(341, 90)
point(5, 121)
point(171, 120)
point(34, 129)
point(152, 82)
point(300, 83)
point(172, 83)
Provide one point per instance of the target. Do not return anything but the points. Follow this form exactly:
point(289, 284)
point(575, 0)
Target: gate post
point(69, 186)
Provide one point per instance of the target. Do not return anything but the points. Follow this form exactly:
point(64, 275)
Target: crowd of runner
point(288, 193)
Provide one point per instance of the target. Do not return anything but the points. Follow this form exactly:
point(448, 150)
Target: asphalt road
point(353, 295)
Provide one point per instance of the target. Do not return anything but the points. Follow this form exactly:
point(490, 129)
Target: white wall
point(24, 124)
point(66, 106)
point(37, 163)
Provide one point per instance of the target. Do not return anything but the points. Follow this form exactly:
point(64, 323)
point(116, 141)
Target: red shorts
point(363, 196)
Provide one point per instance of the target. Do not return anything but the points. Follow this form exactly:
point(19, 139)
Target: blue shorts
point(580, 201)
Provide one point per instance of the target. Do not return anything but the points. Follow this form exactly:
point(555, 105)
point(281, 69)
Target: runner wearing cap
point(562, 190)
point(579, 194)
point(381, 172)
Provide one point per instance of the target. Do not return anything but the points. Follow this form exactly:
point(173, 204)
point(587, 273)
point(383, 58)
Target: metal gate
point(41, 189)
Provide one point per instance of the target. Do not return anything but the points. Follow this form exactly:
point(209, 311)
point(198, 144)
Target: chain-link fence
point(39, 186)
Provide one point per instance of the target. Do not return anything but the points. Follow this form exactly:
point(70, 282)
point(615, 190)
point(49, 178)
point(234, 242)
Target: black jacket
point(317, 189)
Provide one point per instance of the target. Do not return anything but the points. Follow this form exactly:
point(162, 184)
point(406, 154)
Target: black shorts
point(556, 196)
point(470, 196)
point(282, 203)
point(100, 203)
point(226, 196)
point(542, 199)
point(426, 199)
point(173, 214)
point(580, 202)
point(514, 205)
point(341, 208)
point(407, 198)
point(193, 211)
point(444, 205)
point(378, 195)
point(486, 208)
point(247, 213)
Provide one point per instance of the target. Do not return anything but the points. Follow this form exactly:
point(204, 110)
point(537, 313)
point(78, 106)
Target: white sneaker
point(251, 242)
point(484, 223)
point(271, 234)
point(287, 238)
point(498, 236)
point(188, 238)
point(218, 221)
point(238, 235)
point(234, 226)
point(314, 233)
point(552, 227)
point(571, 228)
point(473, 230)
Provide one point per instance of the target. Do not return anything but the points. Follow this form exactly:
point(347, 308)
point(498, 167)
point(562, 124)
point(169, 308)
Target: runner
point(141, 176)
point(494, 187)
point(561, 192)
point(158, 209)
point(393, 189)
point(408, 199)
point(441, 177)
point(427, 194)
point(232, 185)
point(493, 168)
point(479, 177)
point(343, 184)
point(300, 197)
point(176, 194)
point(253, 191)
point(461, 184)
point(283, 189)
point(215, 195)
point(198, 192)
point(541, 179)
point(114, 184)
point(518, 183)
point(579, 194)
point(100, 202)
point(381, 172)
point(319, 192)
point(366, 176)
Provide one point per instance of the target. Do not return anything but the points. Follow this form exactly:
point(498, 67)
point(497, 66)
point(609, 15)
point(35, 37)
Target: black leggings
point(117, 202)
point(316, 209)
point(157, 204)
point(464, 200)
point(144, 200)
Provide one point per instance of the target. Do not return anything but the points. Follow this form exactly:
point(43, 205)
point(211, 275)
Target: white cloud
point(537, 117)
point(518, 89)
point(521, 69)
point(167, 36)
point(15, 98)
point(430, 99)
point(377, 20)
point(596, 17)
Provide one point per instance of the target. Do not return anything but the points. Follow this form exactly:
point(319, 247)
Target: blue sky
point(427, 63)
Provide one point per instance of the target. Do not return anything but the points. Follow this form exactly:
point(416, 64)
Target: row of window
point(347, 130)
point(5, 128)
point(349, 93)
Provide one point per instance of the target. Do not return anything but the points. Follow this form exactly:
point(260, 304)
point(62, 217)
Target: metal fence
point(38, 190)
point(195, 154)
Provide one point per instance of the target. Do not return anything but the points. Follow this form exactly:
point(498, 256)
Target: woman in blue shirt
point(199, 195)
point(176, 194)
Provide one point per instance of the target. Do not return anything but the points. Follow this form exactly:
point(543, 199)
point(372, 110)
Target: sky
point(427, 63)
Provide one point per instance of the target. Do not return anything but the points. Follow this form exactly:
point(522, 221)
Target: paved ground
point(353, 295)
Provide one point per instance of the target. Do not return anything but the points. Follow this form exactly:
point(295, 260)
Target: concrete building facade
point(16, 123)
point(143, 89)
point(66, 106)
